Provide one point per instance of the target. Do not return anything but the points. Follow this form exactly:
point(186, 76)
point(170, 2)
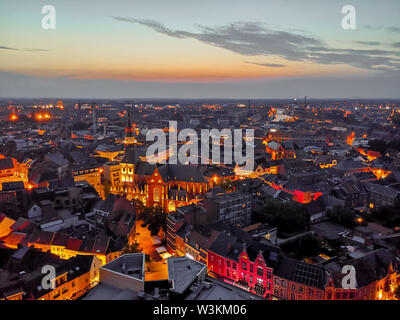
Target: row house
point(73, 277)
point(248, 266)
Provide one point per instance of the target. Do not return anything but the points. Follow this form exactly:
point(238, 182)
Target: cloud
point(393, 29)
point(8, 48)
point(381, 28)
point(254, 39)
point(26, 50)
point(369, 43)
point(272, 65)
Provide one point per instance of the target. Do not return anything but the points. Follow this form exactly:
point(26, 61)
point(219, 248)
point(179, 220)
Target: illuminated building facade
point(168, 185)
point(284, 150)
point(249, 267)
point(90, 173)
point(12, 171)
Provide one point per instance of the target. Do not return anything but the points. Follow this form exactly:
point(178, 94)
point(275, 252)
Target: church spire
point(129, 130)
point(130, 152)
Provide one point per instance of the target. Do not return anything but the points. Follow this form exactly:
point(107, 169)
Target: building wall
point(121, 281)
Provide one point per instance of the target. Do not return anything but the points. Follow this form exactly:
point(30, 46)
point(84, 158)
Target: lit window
point(156, 196)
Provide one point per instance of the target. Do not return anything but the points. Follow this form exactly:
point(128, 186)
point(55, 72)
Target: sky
point(200, 49)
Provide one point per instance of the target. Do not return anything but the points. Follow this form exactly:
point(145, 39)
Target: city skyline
point(277, 49)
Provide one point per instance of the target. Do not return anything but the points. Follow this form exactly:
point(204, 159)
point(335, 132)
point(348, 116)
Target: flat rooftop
point(105, 291)
point(213, 289)
point(183, 271)
point(131, 265)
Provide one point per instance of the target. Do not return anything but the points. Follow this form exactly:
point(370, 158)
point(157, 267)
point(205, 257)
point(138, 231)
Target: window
point(260, 271)
point(234, 265)
point(244, 266)
point(156, 196)
point(269, 275)
point(228, 263)
point(171, 206)
point(251, 268)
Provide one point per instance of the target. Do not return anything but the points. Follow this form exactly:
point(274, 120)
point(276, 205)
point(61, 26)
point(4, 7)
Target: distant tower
point(305, 102)
point(105, 128)
point(94, 118)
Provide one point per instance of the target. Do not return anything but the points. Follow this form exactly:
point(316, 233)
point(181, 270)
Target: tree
point(288, 217)
point(132, 248)
point(139, 206)
point(343, 216)
point(154, 218)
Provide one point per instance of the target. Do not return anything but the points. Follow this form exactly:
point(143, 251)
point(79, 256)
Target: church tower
point(131, 156)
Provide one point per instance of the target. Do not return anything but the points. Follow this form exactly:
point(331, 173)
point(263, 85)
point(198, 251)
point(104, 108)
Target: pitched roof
point(312, 275)
point(6, 163)
point(180, 172)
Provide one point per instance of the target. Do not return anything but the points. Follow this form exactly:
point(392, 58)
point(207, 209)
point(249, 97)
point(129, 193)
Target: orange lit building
point(284, 150)
point(90, 173)
point(12, 171)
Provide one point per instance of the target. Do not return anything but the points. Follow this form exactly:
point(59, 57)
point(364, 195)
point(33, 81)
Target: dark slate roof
point(270, 253)
point(350, 164)
point(22, 224)
point(107, 204)
point(383, 190)
point(223, 244)
point(316, 206)
point(42, 237)
point(144, 168)
point(101, 245)
point(6, 163)
point(180, 172)
point(373, 266)
point(312, 275)
point(130, 154)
